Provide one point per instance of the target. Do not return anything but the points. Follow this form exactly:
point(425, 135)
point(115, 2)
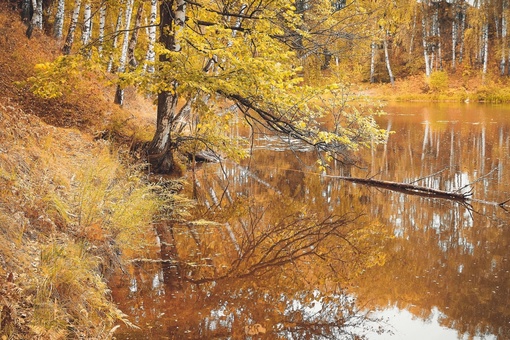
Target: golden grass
point(462, 86)
point(70, 209)
point(71, 206)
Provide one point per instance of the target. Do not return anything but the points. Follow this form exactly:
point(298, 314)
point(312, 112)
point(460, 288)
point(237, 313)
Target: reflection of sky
point(406, 326)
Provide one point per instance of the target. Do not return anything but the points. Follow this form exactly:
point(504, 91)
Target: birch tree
point(172, 17)
point(150, 57)
point(504, 42)
point(87, 23)
point(72, 28)
point(115, 37)
point(373, 54)
point(462, 14)
point(387, 59)
point(134, 37)
point(485, 44)
point(58, 26)
point(455, 35)
point(37, 15)
point(102, 24)
point(119, 93)
point(425, 41)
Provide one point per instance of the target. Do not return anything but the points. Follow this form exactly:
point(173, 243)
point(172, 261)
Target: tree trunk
point(407, 188)
point(373, 51)
point(413, 33)
point(387, 59)
point(102, 24)
point(502, 64)
point(58, 26)
point(87, 24)
point(454, 42)
point(37, 16)
point(437, 35)
point(72, 27)
point(151, 55)
point(485, 41)
point(36, 21)
point(425, 46)
point(462, 29)
point(119, 93)
point(115, 38)
point(160, 153)
point(26, 11)
point(134, 37)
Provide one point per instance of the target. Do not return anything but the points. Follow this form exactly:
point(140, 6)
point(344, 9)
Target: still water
point(293, 255)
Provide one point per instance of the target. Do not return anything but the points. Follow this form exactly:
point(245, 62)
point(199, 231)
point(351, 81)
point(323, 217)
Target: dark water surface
point(393, 266)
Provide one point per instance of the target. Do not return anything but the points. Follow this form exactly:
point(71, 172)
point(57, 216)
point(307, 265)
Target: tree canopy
point(274, 64)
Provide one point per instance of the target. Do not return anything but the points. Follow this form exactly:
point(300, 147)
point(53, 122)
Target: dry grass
point(69, 211)
point(463, 85)
point(71, 206)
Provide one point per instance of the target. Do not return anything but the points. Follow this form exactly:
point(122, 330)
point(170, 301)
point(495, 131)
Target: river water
point(293, 255)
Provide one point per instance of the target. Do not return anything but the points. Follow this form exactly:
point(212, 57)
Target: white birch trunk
point(180, 18)
point(102, 23)
point(119, 94)
point(125, 42)
point(485, 47)
point(58, 26)
point(387, 59)
point(437, 33)
point(115, 38)
point(239, 21)
point(134, 37)
point(413, 33)
point(502, 64)
point(87, 20)
point(373, 51)
point(37, 16)
point(72, 28)
point(425, 47)
point(454, 43)
point(462, 29)
point(151, 55)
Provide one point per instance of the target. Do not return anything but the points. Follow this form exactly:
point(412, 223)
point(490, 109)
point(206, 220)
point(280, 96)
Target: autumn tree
point(246, 54)
point(242, 53)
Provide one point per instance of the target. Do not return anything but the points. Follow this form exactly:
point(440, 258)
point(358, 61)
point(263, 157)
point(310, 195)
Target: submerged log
point(407, 188)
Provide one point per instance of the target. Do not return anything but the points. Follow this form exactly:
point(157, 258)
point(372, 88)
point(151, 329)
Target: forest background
point(75, 196)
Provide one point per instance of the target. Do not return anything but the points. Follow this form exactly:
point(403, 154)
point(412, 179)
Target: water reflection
point(240, 309)
point(446, 256)
point(443, 262)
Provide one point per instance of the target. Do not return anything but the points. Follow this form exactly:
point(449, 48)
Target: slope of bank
point(458, 86)
point(73, 207)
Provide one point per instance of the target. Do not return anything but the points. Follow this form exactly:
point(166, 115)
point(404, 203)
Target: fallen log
point(407, 188)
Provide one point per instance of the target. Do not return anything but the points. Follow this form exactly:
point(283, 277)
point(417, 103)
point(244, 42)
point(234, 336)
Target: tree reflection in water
point(442, 260)
point(273, 264)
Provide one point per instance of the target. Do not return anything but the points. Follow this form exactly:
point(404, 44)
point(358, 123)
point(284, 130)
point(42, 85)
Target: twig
point(435, 173)
point(477, 180)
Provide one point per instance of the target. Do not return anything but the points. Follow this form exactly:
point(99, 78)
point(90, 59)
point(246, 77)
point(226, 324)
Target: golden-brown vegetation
point(71, 206)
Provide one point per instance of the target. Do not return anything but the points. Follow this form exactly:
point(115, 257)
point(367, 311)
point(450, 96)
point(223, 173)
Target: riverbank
point(73, 204)
point(463, 86)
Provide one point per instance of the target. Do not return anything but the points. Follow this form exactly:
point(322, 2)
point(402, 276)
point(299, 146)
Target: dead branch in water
point(407, 188)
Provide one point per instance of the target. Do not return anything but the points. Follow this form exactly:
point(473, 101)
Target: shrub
point(438, 81)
